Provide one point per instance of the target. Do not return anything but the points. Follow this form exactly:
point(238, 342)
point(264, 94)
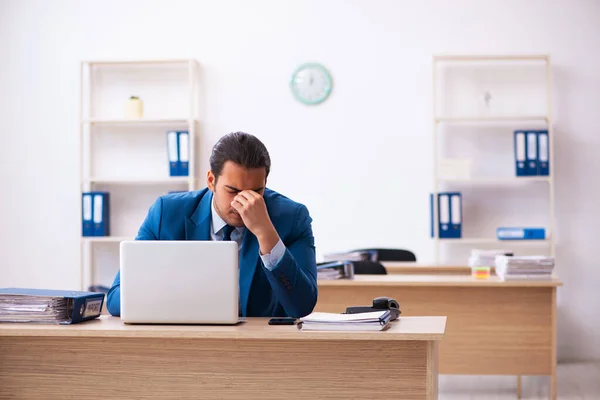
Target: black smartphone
point(282, 321)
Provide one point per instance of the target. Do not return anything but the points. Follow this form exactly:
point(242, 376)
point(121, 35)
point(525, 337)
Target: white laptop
point(179, 282)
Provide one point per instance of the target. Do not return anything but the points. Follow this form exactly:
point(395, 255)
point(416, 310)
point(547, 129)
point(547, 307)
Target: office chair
point(390, 254)
point(368, 268)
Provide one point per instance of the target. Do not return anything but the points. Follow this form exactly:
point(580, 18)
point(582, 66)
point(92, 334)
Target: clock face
point(311, 83)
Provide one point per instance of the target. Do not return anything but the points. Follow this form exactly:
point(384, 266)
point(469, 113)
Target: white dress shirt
point(217, 224)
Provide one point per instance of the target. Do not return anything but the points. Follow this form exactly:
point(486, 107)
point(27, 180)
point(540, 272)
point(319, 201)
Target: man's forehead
point(243, 177)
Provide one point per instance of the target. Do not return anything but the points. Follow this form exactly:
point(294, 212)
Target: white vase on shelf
point(133, 107)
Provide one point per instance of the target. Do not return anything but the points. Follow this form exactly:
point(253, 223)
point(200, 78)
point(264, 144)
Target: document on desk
point(369, 321)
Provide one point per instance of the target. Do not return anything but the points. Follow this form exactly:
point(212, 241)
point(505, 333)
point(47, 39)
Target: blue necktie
point(227, 229)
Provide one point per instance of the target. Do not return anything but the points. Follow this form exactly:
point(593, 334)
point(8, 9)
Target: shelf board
point(506, 118)
point(496, 181)
point(536, 242)
point(140, 62)
point(139, 121)
point(141, 181)
point(106, 239)
point(491, 57)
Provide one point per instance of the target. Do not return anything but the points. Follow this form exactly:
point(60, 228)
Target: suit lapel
point(197, 226)
point(248, 262)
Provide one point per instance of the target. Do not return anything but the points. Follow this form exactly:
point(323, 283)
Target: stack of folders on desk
point(335, 270)
point(48, 306)
point(365, 255)
point(368, 321)
point(524, 267)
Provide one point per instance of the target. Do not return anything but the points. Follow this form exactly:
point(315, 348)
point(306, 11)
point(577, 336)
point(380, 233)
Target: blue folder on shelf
point(183, 144)
point(514, 233)
point(449, 215)
point(520, 153)
point(101, 213)
point(531, 166)
point(173, 153)
point(49, 306)
point(543, 153)
point(87, 225)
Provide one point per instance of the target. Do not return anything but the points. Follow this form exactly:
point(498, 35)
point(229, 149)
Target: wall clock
point(311, 83)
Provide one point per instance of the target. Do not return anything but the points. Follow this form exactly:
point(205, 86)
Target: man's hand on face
point(253, 210)
point(251, 207)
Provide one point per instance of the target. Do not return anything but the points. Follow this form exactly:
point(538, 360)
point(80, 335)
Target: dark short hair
point(241, 148)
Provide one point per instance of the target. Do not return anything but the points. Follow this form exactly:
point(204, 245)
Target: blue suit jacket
point(290, 289)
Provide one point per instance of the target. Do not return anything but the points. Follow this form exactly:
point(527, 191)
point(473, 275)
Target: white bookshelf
point(140, 181)
point(140, 121)
point(474, 75)
point(495, 241)
point(497, 181)
point(127, 157)
point(490, 57)
point(107, 239)
point(491, 119)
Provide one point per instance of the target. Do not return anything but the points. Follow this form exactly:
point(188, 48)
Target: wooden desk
point(106, 359)
point(395, 267)
point(494, 327)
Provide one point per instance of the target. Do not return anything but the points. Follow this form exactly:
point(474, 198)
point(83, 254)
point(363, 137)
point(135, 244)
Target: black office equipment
point(369, 268)
point(379, 303)
point(377, 254)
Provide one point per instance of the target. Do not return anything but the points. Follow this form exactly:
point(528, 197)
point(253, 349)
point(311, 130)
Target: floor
point(576, 381)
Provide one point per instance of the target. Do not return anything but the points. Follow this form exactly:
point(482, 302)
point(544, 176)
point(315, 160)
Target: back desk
point(395, 267)
point(494, 327)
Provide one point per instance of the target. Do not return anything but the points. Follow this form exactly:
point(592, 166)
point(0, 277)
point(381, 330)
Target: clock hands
point(311, 83)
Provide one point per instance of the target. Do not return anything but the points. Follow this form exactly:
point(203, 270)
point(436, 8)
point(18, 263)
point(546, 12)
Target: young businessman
point(274, 234)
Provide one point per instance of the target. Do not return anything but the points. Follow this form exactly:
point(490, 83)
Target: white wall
point(361, 161)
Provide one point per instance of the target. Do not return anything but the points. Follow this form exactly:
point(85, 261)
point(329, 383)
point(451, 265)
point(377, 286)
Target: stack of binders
point(49, 306)
point(532, 153)
point(350, 256)
point(449, 215)
point(178, 150)
point(335, 270)
point(524, 267)
point(95, 214)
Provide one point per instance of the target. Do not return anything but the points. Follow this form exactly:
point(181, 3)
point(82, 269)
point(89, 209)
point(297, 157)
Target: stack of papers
point(525, 267)
point(335, 270)
point(486, 258)
point(368, 321)
point(41, 309)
